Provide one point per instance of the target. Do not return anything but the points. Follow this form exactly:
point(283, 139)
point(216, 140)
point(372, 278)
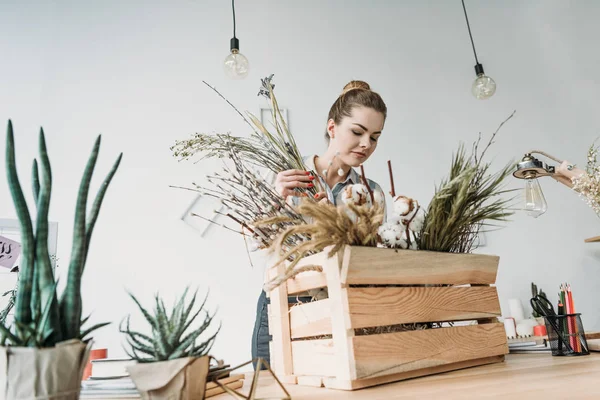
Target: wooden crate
point(321, 343)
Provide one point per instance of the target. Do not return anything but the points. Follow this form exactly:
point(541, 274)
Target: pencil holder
point(566, 335)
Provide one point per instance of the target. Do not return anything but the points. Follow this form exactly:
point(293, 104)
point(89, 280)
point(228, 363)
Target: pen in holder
point(566, 335)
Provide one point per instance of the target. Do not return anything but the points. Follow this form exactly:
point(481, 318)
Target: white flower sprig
point(588, 184)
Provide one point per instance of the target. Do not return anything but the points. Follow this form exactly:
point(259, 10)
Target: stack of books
point(223, 371)
point(232, 382)
point(109, 380)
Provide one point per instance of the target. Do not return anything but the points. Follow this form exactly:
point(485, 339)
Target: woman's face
point(356, 136)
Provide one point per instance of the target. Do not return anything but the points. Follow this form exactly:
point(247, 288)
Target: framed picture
point(10, 232)
point(202, 213)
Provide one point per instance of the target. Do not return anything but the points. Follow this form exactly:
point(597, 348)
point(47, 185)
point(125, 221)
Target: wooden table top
point(520, 376)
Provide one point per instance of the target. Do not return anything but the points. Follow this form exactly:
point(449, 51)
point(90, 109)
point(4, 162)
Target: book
point(526, 347)
point(218, 390)
point(224, 381)
point(106, 394)
point(108, 384)
point(110, 368)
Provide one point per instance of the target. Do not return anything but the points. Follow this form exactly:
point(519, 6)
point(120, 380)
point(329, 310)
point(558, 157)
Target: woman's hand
point(287, 181)
point(321, 197)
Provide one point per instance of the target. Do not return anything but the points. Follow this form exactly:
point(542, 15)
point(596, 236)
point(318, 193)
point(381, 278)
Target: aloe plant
point(169, 338)
point(40, 318)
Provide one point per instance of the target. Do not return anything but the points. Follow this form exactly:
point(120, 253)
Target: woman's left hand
point(321, 197)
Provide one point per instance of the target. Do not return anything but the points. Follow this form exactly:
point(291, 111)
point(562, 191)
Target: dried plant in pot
point(44, 350)
point(173, 361)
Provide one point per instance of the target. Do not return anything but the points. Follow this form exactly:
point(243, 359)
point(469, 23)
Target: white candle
point(516, 309)
point(509, 327)
point(524, 328)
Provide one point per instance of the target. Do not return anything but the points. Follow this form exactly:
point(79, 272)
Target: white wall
point(133, 71)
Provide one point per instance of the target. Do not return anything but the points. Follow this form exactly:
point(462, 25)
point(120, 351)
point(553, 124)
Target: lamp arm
point(565, 173)
point(545, 154)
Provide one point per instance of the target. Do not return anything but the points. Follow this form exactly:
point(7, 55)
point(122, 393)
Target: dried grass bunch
point(328, 226)
point(470, 198)
point(241, 187)
point(273, 149)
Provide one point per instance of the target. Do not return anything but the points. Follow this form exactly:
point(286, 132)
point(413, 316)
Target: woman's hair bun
point(355, 85)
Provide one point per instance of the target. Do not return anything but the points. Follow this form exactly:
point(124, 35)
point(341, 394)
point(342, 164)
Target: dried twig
point(393, 191)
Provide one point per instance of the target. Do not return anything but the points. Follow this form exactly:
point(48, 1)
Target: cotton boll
point(391, 235)
point(357, 195)
point(417, 222)
point(413, 245)
point(402, 243)
point(396, 221)
point(402, 205)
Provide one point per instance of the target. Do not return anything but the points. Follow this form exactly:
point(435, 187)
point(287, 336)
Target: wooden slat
point(305, 281)
point(333, 383)
point(341, 330)
point(370, 265)
point(311, 319)
point(392, 353)
point(313, 357)
point(291, 379)
point(279, 328)
point(316, 381)
point(381, 306)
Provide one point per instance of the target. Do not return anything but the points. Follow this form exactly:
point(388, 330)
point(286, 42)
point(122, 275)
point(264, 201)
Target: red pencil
point(575, 329)
point(570, 327)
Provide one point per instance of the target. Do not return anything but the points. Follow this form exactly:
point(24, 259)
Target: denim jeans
point(260, 335)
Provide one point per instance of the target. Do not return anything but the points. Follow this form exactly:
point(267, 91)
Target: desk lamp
point(530, 169)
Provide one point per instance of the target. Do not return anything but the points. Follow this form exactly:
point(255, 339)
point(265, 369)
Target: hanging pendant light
point(483, 87)
point(236, 65)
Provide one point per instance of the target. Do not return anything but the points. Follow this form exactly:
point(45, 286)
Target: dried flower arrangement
point(588, 184)
point(470, 198)
point(240, 187)
point(277, 151)
point(329, 226)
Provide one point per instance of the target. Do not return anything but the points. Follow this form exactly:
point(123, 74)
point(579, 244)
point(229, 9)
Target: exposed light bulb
point(535, 202)
point(483, 87)
point(236, 65)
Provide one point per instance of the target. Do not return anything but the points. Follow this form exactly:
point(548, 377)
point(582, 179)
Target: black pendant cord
point(470, 35)
point(233, 8)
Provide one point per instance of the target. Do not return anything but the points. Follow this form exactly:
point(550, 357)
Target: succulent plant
point(171, 336)
point(40, 318)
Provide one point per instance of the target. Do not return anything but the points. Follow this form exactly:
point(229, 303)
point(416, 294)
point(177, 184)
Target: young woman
point(354, 125)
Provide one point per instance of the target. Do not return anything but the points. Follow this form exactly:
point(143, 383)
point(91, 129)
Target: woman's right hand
point(287, 181)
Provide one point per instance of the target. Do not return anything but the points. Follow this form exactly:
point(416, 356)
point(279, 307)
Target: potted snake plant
point(172, 360)
point(44, 350)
